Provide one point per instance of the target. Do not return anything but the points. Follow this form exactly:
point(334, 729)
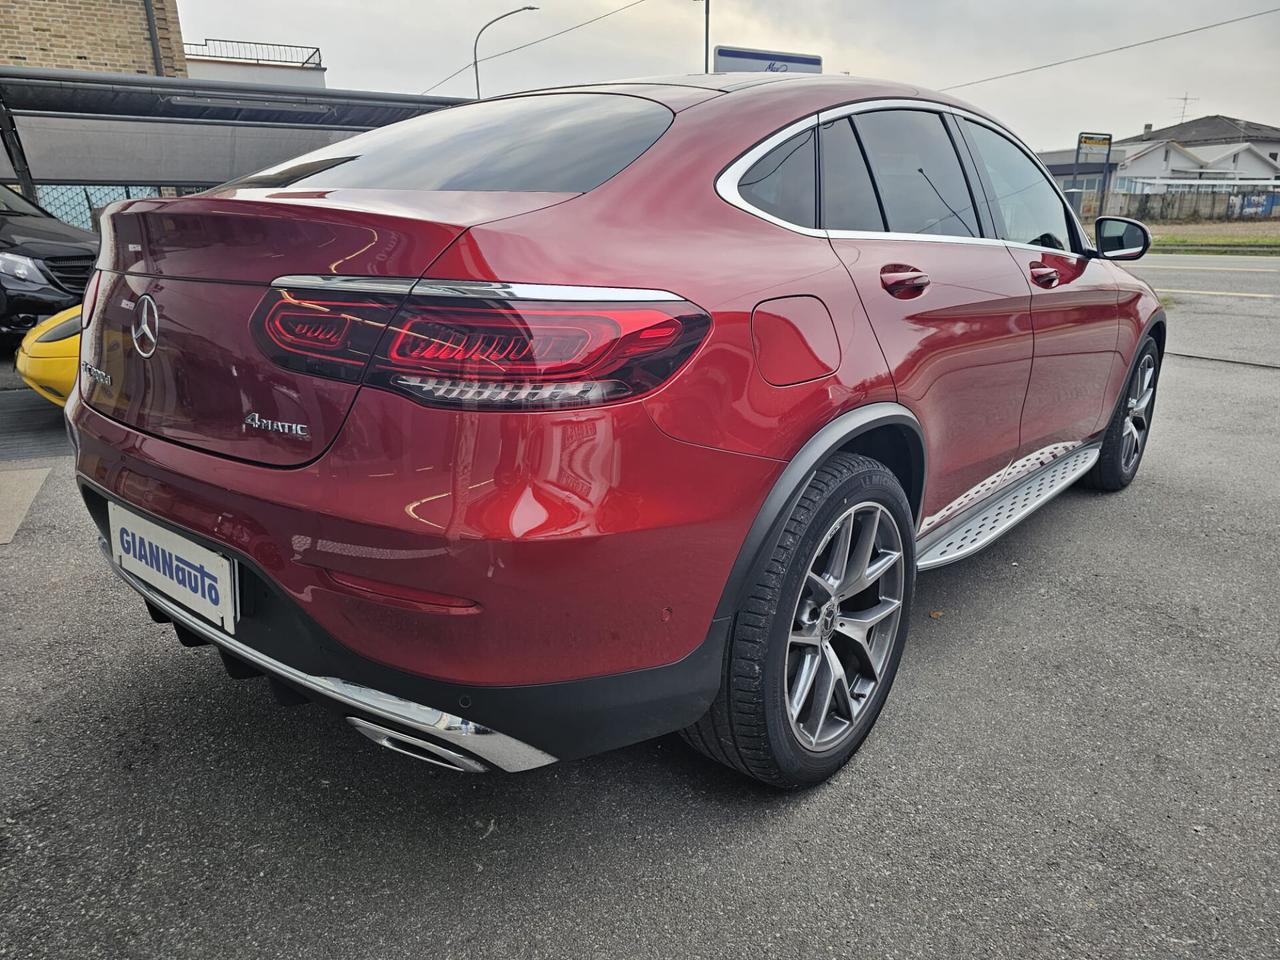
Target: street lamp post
point(706, 35)
point(475, 47)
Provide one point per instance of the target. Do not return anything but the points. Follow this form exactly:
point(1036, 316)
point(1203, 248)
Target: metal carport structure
point(68, 128)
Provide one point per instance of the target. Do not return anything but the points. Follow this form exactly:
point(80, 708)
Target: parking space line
point(1220, 293)
point(18, 489)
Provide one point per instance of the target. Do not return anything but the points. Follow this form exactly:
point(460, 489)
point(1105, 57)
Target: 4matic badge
point(278, 426)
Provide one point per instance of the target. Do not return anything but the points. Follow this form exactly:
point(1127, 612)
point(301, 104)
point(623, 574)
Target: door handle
point(1043, 275)
point(903, 281)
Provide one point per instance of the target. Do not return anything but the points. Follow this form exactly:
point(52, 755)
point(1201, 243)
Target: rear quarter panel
point(661, 225)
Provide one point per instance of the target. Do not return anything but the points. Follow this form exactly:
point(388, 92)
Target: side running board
point(985, 523)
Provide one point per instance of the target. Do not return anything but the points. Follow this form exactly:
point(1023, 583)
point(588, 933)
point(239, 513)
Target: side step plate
point(987, 522)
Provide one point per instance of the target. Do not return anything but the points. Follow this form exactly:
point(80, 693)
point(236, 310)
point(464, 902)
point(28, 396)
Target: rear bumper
point(594, 630)
point(358, 702)
point(511, 728)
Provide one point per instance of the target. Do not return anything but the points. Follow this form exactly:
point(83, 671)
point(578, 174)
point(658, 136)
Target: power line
point(1127, 46)
point(550, 36)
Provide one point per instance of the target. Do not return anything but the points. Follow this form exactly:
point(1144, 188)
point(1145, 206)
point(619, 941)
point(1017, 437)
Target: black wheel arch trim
point(1157, 319)
point(763, 535)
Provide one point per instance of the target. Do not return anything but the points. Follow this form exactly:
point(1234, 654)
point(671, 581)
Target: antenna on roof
point(1184, 100)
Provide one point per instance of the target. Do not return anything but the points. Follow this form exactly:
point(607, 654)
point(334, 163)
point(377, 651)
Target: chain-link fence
point(81, 203)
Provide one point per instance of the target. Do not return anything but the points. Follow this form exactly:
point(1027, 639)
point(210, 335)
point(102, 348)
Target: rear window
point(555, 143)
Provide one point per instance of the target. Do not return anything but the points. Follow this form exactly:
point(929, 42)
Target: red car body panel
point(576, 543)
point(513, 512)
point(959, 354)
point(1075, 336)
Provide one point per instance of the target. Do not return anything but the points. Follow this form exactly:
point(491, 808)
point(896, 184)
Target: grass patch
point(1258, 236)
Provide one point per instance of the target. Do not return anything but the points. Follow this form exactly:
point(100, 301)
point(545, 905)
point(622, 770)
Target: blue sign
point(736, 59)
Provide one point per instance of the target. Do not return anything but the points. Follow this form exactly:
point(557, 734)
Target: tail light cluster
point(482, 354)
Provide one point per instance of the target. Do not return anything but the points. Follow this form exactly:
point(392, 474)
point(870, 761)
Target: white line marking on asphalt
point(1220, 293)
point(1170, 266)
point(18, 488)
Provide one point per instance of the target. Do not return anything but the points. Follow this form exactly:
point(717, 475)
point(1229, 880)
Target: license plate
point(185, 572)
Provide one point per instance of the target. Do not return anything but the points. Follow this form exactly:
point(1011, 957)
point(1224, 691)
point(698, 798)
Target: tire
point(795, 628)
point(1119, 459)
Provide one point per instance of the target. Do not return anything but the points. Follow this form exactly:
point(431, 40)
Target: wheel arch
point(886, 431)
point(1156, 330)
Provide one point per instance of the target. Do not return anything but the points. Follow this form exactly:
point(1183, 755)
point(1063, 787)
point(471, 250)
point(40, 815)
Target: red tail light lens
point(509, 354)
point(321, 334)
point(482, 354)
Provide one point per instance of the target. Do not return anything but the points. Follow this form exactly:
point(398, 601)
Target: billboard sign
point(735, 59)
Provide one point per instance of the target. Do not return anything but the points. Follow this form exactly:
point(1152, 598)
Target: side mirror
point(1120, 238)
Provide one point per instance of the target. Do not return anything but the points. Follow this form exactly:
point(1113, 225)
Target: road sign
point(733, 59)
point(1093, 145)
point(1091, 148)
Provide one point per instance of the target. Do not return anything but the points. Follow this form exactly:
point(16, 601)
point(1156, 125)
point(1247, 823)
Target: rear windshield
point(557, 143)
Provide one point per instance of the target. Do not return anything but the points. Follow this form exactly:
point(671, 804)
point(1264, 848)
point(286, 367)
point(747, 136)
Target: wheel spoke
point(856, 571)
point(862, 621)
point(824, 691)
point(803, 682)
point(838, 558)
point(843, 700)
point(1139, 410)
point(822, 590)
point(806, 635)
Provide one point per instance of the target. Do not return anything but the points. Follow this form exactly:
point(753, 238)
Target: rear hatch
point(188, 277)
point(188, 340)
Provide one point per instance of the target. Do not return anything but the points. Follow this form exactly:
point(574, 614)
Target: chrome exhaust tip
point(417, 748)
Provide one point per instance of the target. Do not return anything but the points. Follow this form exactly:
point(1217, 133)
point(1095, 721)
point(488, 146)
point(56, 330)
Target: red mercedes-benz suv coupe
point(546, 424)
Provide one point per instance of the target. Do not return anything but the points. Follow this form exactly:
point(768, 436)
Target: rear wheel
point(816, 646)
point(1126, 438)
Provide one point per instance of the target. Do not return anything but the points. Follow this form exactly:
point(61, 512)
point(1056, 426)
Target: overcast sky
point(408, 45)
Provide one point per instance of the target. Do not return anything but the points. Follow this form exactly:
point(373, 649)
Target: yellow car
point(49, 357)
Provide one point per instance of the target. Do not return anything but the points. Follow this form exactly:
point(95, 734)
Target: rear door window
point(784, 181)
point(922, 185)
point(1026, 201)
point(848, 196)
point(554, 143)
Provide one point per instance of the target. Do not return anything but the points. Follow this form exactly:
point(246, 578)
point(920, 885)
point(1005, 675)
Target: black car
point(44, 263)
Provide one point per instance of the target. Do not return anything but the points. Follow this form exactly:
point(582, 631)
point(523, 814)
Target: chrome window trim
point(485, 290)
point(338, 284)
point(726, 184)
point(1035, 160)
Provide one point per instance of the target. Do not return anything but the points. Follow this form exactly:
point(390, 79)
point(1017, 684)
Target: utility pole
point(475, 47)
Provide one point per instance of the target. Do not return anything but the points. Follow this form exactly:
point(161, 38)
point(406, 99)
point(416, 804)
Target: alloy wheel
point(844, 626)
point(1142, 392)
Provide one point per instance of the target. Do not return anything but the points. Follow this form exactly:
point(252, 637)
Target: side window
point(915, 166)
point(1027, 202)
point(784, 181)
point(848, 197)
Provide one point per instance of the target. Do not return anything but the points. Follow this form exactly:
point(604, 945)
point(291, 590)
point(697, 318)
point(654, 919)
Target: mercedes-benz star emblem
point(146, 325)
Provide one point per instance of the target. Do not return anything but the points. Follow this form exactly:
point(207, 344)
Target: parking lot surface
point(1081, 756)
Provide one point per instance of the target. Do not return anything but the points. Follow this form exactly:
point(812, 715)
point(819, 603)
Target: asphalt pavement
point(1080, 758)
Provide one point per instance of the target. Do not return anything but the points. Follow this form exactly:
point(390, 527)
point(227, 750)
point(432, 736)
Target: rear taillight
point(483, 353)
point(514, 354)
point(321, 334)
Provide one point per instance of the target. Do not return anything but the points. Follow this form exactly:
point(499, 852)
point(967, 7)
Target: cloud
point(407, 45)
